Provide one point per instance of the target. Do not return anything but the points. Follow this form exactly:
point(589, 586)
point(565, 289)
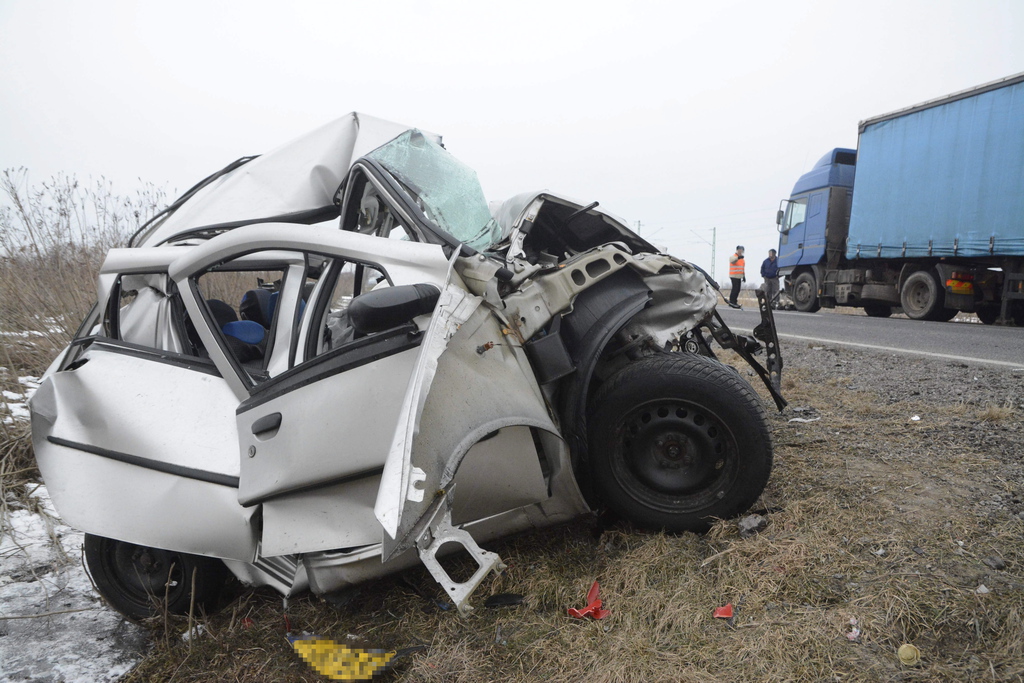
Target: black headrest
point(222, 312)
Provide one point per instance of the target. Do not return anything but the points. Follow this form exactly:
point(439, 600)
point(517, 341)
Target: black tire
point(944, 315)
point(678, 441)
point(134, 579)
point(805, 293)
point(878, 310)
point(1016, 313)
point(988, 314)
point(922, 296)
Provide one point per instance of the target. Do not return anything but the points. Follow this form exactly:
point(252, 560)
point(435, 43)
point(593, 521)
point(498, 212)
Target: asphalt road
point(968, 342)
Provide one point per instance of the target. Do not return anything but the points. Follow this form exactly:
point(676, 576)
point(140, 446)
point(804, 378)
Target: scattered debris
point(504, 600)
point(982, 590)
point(724, 612)
point(343, 663)
point(995, 562)
point(751, 524)
point(909, 654)
point(804, 419)
point(916, 418)
point(854, 633)
point(593, 607)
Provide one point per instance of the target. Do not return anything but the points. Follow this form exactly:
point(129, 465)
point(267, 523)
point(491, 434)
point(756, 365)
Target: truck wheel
point(944, 315)
point(678, 441)
point(805, 293)
point(922, 296)
point(135, 579)
point(878, 310)
point(988, 314)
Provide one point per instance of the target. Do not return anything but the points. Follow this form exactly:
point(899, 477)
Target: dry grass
point(864, 523)
point(996, 413)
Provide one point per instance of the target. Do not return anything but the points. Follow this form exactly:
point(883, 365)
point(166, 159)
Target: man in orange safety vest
point(737, 275)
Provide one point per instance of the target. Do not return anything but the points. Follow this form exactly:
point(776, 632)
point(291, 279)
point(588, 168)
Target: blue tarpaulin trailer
point(926, 214)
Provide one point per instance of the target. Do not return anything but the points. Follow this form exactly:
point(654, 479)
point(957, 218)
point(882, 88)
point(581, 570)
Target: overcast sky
point(683, 116)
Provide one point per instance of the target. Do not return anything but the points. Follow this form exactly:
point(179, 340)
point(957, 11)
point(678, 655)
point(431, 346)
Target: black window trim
point(120, 346)
point(347, 357)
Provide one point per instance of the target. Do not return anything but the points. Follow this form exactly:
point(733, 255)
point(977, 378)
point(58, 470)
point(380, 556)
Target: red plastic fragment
point(724, 612)
point(593, 608)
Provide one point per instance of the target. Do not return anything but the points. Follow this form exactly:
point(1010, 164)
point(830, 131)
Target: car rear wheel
point(141, 582)
point(678, 441)
point(805, 293)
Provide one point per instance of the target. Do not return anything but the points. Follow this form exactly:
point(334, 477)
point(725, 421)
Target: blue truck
point(927, 214)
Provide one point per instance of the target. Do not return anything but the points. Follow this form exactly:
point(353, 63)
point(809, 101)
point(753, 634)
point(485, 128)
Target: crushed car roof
point(301, 176)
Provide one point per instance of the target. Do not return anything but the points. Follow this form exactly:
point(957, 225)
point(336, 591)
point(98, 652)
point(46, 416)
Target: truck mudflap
point(747, 345)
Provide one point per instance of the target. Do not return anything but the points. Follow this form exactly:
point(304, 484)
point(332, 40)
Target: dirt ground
point(894, 515)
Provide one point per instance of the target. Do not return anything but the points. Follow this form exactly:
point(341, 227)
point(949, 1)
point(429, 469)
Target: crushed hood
point(299, 176)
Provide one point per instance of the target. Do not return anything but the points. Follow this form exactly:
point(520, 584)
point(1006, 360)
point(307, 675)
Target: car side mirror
point(389, 307)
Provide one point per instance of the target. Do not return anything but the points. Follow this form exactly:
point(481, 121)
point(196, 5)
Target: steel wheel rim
point(144, 573)
point(918, 296)
point(802, 293)
point(675, 455)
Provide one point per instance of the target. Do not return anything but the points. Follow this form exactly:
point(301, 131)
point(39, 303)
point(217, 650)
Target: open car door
point(319, 388)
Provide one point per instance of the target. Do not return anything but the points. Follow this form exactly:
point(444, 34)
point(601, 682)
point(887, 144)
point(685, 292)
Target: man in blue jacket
point(770, 273)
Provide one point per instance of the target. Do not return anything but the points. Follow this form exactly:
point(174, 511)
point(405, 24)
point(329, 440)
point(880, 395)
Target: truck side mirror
point(778, 216)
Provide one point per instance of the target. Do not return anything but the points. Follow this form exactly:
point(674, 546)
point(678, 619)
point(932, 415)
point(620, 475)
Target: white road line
point(873, 347)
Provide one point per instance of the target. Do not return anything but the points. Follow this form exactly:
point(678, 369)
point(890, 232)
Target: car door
point(134, 431)
point(317, 414)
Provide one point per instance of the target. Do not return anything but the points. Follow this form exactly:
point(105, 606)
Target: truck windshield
point(796, 210)
point(445, 189)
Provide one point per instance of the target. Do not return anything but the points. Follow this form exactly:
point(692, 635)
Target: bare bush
point(53, 237)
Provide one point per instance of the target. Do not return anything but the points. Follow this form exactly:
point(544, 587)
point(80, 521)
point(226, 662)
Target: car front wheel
point(678, 441)
point(141, 582)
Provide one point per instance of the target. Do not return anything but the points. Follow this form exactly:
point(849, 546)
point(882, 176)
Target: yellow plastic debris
point(342, 663)
point(909, 654)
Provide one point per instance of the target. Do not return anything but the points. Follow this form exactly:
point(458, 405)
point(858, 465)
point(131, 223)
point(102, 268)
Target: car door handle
point(267, 423)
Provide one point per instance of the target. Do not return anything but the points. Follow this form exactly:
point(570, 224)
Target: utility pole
point(713, 242)
point(638, 226)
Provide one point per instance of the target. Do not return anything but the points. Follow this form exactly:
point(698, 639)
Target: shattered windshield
point(448, 191)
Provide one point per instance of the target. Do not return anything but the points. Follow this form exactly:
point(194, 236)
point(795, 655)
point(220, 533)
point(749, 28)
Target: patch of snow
point(17, 404)
point(41, 573)
point(24, 334)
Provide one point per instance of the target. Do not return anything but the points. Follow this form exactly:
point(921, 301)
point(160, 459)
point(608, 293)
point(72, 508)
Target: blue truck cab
point(936, 225)
point(816, 217)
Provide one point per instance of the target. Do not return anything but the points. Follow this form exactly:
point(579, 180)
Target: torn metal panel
point(286, 574)
point(472, 393)
point(439, 532)
point(682, 299)
point(519, 215)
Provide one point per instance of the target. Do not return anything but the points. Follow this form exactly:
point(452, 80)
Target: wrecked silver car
point(321, 364)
